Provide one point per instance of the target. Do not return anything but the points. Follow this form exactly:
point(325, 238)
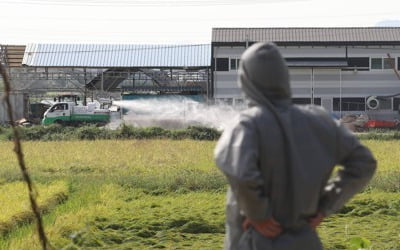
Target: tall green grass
point(155, 164)
point(115, 217)
point(142, 194)
point(370, 216)
point(127, 218)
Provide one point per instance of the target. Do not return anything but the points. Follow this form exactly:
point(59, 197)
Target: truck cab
point(58, 113)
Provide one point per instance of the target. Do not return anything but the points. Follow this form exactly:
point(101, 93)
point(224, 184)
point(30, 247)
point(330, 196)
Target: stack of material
point(354, 122)
point(12, 55)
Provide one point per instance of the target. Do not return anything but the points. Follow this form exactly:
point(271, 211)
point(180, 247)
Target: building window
point(222, 64)
point(398, 63)
point(301, 101)
point(359, 63)
point(376, 63)
point(233, 64)
point(349, 104)
point(383, 63)
point(389, 63)
point(381, 103)
point(385, 103)
point(396, 104)
point(239, 102)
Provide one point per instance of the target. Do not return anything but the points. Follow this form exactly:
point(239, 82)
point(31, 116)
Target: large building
point(346, 70)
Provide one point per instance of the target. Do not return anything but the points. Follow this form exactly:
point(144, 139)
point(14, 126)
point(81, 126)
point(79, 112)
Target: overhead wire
point(147, 3)
point(197, 19)
point(147, 47)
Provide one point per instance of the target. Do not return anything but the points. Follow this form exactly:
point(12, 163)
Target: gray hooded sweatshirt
point(279, 157)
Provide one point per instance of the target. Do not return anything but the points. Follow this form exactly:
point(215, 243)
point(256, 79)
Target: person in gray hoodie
point(278, 159)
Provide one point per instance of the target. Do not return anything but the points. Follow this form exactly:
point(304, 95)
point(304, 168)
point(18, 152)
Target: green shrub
point(380, 135)
point(92, 132)
point(155, 132)
point(125, 131)
point(202, 133)
point(6, 134)
point(38, 132)
point(177, 134)
point(195, 133)
point(57, 132)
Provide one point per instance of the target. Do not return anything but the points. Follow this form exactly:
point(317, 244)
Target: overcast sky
point(176, 21)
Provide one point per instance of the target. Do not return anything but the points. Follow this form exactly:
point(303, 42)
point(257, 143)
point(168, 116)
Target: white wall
point(323, 82)
point(18, 102)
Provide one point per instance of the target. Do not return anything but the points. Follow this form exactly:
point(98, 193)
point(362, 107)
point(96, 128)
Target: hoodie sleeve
point(237, 155)
point(358, 167)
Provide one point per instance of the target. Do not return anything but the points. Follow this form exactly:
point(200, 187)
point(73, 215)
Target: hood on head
point(263, 74)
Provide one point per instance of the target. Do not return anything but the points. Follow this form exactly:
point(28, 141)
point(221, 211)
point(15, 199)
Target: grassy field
point(145, 194)
point(16, 208)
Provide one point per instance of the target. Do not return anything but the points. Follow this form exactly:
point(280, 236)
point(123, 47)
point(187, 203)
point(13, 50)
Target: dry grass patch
point(16, 210)
point(124, 218)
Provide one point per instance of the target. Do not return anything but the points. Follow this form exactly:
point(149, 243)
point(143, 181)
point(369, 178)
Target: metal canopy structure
point(117, 56)
point(118, 67)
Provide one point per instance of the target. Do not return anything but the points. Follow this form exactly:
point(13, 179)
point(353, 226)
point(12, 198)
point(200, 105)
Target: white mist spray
point(175, 113)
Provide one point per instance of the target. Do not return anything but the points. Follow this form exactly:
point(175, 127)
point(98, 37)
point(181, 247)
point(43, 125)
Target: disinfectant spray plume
point(175, 113)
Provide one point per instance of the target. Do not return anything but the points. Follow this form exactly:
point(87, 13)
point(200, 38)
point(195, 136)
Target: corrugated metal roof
point(358, 34)
point(117, 55)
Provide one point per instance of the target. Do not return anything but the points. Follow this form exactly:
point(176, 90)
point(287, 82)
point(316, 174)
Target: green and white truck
point(69, 113)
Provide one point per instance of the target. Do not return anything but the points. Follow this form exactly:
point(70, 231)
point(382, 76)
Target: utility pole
point(85, 90)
